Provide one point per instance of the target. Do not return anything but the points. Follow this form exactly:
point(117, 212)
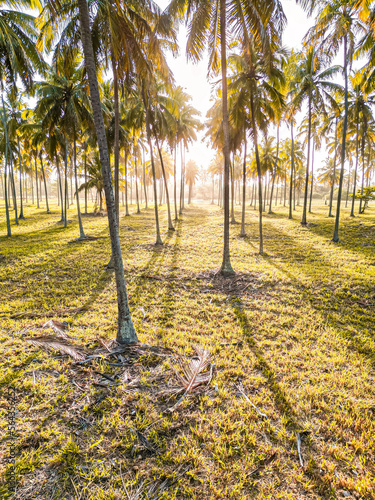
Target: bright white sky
point(193, 77)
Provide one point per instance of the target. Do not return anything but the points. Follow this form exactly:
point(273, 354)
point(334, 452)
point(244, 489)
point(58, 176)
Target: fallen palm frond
point(192, 369)
point(58, 327)
point(62, 345)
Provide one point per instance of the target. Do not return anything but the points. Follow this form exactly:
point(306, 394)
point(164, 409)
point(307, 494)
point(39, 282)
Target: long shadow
point(312, 297)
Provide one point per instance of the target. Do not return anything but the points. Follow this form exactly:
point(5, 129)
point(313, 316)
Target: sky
point(193, 77)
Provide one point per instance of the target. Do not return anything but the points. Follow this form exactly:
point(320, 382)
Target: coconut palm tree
point(337, 24)
point(192, 172)
point(209, 25)
point(310, 82)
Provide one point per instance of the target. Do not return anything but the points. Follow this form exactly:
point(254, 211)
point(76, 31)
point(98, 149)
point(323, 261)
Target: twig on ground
point(263, 415)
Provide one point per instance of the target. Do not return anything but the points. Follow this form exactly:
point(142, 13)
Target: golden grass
point(299, 337)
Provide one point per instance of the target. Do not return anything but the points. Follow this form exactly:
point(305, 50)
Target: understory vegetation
point(289, 410)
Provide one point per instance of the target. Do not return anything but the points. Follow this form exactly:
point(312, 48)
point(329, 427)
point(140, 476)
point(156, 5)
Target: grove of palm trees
point(187, 293)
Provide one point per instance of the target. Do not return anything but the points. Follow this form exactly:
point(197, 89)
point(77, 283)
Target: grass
point(299, 338)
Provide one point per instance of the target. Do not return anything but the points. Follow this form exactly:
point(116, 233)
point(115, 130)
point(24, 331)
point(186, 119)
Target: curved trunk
point(274, 170)
point(337, 220)
point(304, 218)
point(125, 330)
point(44, 181)
point(226, 267)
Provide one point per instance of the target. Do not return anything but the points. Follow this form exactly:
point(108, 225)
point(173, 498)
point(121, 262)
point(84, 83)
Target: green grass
point(305, 356)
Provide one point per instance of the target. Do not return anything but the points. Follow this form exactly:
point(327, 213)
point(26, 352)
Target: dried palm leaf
point(192, 369)
point(58, 327)
point(52, 343)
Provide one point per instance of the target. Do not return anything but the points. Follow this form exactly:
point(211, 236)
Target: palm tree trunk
point(170, 223)
point(44, 180)
point(356, 165)
point(81, 231)
point(190, 188)
point(232, 219)
point(312, 175)
point(291, 174)
point(125, 330)
point(255, 138)
point(337, 221)
point(334, 174)
point(36, 182)
point(20, 167)
point(182, 181)
point(32, 185)
point(117, 132)
point(136, 182)
point(275, 169)
point(60, 188)
point(243, 232)
point(148, 132)
point(144, 178)
point(9, 231)
point(66, 183)
point(126, 183)
point(304, 218)
point(85, 160)
point(226, 268)
point(363, 172)
point(175, 181)
point(213, 191)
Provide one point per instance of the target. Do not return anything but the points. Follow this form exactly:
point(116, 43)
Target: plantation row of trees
point(81, 119)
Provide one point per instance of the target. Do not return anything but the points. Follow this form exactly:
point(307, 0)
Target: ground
point(293, 331)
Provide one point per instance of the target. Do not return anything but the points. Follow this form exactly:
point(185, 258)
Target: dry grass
point(294, 331)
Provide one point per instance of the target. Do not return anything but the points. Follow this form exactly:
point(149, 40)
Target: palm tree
point(125, 328)
point(310, 82)
point(338, 24)
point(19, 58)
point(192, 172)
point(209, 24)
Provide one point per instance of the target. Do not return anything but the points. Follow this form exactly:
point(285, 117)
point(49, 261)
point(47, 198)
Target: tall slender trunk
point(182, 180)
point(66, 182)
point(175, 181)
point(226, 267)
point(117, 132)
point(81, 231)
point(126, 183)
point(243, 232)
point(170, 223)
point(44, 180)
point(85, 163)
point(277, 192)
point(213, 191)
point(337, 221)
point(144, 178)
point(9, 231)
point(304, 218)
point(312, 175)
point(189, 198)
point(125, 330)
point(20, 167)
point(233, 220)
point(275, 169)
point(32, 185)
point(363, 173)
point(148, 132)
point(136, 182)
point(255, 138)
point(356, 165)
point(59, 188)
point(36, 182)
point(291, 174)
point(334, 173)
